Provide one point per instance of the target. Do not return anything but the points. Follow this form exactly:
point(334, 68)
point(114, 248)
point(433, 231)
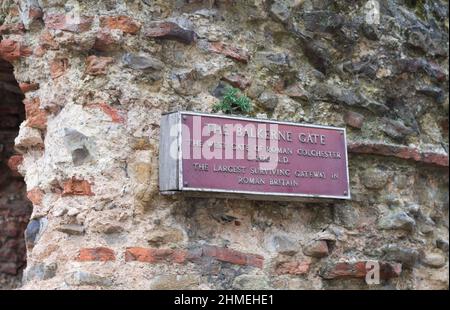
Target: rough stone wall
point(15, 209)
point(98, 75)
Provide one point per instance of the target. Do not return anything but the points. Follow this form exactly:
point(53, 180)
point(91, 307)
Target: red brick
point(124, 23)
point(97, 65)
point(36, 117)
point(68, 23)
point(237, 80)
point(11, 50)
point(434, 158)
point(27, 87)
point(58, 67)
point(233, 256)
point(16, 28)
point(170, 31)
point(151, 255)
point(35, 196)
point(14, 162)
point(354, 119)
point(293, 268)
point(113, 113)
point(399, 151)
point(358, 270)
point(96, 254)
point(229, 51)
point(74, 187)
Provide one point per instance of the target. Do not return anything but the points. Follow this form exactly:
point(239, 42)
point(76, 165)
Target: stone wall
point(98, 75)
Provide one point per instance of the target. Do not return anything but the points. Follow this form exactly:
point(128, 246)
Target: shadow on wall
point(15, 209)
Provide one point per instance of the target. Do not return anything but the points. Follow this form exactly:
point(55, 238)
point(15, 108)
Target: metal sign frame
point(171, 182)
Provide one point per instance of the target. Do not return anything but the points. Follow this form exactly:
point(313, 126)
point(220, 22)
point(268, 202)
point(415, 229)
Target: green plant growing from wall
point(234, 102)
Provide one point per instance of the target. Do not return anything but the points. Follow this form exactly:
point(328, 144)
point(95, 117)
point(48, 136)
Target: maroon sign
point(252, 156)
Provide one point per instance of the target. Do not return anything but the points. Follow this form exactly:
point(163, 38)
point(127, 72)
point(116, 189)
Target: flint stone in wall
point(397, 220)
point(40, 272)
point(164, 236)
point(106, 226)
point(175, 282)
point(171, 31)
point(413, 209)
point(211, 69)
point(274, 61)
point(251, 282)
point(78, 145)
point(220, 90)
point(374, 178)
point(442, 244)
point(348, 97)
point(71, 229)
point(396, 129)
point(322, 21)
point(427, 40)
point(73, 211)
point(268, 100)
point(34, 231)
point(79, 278)
point(142, 62)
point(316, 248)
point(30, 11)
point(371, 32)
point(436, 93)
point(425, 224)
point(28, 137)
point(433, 260)
point(421, 65)
point(391, 200)
point(210, 13)
point(407, 256)
point(317, 53)
point(283, 245)
point(346, 216)
point(366, 67)
point(183, 81)
point(280, 10)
